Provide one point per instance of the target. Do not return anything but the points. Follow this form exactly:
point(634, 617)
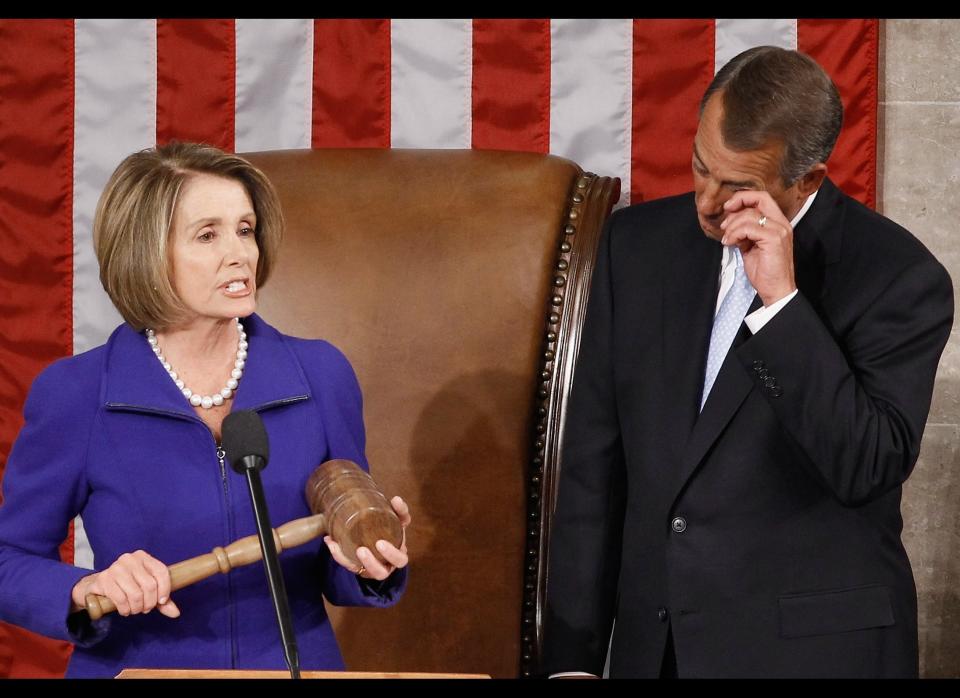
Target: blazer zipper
point(221, 456)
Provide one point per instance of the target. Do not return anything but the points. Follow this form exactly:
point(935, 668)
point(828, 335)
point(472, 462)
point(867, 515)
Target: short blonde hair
point(132, 225)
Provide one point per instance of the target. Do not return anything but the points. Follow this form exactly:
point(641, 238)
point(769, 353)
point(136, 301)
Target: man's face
point(719, 172)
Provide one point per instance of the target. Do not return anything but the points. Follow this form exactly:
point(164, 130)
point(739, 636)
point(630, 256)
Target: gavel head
point(356, 512)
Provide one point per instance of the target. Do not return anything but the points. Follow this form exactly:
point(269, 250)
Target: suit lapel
point(754, 305)
point(689, 296)
point(816, 243)
point(729, 391)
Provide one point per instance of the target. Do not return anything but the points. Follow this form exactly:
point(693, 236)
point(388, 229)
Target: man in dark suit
point(754, 378)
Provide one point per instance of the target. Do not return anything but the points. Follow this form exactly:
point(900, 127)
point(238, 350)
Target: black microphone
point(247, 448)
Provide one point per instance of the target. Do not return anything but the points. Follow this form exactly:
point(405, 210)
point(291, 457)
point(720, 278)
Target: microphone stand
point(278, 591)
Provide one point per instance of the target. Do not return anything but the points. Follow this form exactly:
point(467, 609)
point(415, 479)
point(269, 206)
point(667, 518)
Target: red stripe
point(196, 81)
point(672, 66)
point(36, 264)
point(511, 84)
point(351, 83)
point(848, 51)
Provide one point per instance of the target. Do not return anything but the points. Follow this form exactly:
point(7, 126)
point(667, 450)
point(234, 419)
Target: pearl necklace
point(206, 401)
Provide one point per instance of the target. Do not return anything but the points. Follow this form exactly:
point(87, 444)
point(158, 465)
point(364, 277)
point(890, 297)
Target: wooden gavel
point(345, 503)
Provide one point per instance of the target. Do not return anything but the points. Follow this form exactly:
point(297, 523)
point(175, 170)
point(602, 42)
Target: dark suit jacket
point(765, 531)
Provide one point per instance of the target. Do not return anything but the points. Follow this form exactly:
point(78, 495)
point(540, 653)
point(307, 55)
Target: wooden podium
point(242, 674)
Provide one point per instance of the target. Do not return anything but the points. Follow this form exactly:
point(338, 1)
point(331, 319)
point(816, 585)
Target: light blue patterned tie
point(727, 322)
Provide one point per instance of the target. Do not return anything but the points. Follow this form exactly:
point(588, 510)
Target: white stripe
point(431, 80)
point(115, 109)
point(591, 95)
point(82, 553)
point(733, 36)
point(114, 115)
point(274, 84)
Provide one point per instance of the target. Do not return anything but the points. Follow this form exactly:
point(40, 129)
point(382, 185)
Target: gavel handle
point(240, 552)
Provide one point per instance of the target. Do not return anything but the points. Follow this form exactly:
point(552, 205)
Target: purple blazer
point(109, 436)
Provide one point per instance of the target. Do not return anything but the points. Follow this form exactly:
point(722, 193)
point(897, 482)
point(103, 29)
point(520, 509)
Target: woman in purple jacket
point(128, 436)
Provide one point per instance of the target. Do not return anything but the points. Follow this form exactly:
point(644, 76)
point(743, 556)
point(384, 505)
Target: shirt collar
point(803, 209)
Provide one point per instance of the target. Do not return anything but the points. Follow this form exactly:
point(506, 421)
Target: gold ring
point(762, 221)
point(361, 570)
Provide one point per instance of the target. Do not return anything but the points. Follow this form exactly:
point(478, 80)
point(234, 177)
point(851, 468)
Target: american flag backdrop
point(617, 96)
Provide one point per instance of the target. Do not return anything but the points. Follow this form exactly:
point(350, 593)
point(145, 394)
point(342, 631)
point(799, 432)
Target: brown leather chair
point(455, 282)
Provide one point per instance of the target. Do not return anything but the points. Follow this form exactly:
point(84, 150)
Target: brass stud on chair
point(550, 391)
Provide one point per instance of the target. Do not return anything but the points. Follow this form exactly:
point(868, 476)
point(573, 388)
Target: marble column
point(919, 163)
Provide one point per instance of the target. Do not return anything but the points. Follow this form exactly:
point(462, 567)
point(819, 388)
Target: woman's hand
point(370, 567)
point(135, 583)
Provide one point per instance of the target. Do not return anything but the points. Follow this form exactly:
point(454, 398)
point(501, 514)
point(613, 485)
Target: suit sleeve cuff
point(761, 316)
point(343, 588)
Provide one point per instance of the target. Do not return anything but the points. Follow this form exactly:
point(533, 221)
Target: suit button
point(776, 391)
point(662, 614)
point(770, 382)
point(758, 365)
point(763, 373)
point(679, 524)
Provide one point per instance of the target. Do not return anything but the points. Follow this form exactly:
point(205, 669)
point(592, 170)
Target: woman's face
point(213, 248)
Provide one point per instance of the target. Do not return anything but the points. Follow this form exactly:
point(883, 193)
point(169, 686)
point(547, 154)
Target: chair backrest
point(455, 282)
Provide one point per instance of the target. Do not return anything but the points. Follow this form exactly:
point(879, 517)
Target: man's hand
point(756, 225)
